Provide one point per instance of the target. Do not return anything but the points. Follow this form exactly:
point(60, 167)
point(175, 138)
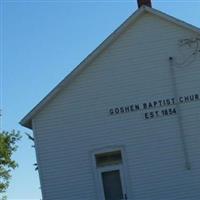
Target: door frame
point(98, 170)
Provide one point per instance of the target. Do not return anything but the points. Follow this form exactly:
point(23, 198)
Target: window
point(109, 158)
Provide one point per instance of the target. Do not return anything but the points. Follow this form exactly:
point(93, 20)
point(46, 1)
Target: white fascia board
point(26, 121)
point(173, 20)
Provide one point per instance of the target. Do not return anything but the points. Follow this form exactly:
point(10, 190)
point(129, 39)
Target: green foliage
point(8, 145)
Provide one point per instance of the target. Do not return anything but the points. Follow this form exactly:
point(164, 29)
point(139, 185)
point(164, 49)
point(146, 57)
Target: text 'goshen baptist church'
point(167, 106)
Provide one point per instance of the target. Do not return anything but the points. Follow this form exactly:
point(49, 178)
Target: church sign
point(158, 108)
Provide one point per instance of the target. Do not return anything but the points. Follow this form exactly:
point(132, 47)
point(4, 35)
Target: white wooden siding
point(134, 69)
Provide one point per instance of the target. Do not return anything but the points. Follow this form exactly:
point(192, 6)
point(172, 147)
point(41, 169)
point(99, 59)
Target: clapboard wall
point(134, 69)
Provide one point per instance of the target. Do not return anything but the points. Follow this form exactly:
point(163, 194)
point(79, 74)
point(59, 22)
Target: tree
point(8, 145)
point(32, 139)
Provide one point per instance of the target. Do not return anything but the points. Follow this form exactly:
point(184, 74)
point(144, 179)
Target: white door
point(112, 182)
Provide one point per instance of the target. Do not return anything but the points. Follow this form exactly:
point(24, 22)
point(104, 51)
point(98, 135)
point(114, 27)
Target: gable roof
point(27, 120)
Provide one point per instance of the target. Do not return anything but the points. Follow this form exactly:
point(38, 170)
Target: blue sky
point(41, 42)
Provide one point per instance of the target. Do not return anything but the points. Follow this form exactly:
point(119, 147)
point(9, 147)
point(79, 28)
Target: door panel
point(112, 185)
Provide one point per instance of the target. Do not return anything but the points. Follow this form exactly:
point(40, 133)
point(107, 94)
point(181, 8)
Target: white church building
point(125, 123)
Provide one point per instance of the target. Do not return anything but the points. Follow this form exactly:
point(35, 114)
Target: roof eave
point(26, 123)
point(27, 120)
point(172, 19)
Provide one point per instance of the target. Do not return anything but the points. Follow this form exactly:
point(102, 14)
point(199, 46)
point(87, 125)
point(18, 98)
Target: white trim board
point(27, 120)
